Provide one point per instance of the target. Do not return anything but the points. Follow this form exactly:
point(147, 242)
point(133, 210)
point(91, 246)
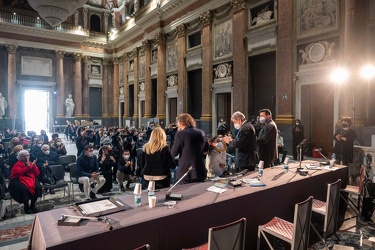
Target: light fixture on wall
point(55, 12)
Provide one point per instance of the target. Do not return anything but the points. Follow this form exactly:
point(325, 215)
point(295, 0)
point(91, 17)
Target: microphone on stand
point(300, 146)
point(319, 150)
point(176, 197)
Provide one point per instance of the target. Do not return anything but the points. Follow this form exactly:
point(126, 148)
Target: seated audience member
point(88, 172)
point(157, 160)
point(44, 159)
point(126, 170)
point(106, 163)
point(3, 151)
point(216, 158)
point(281, 149)
point(13, 156)
point(44, 137)
point(54, 137)
point(36, 149)
point(105, 139)
point(13, 142)
point(24, 140)
point(58, 147)
point(24, 186)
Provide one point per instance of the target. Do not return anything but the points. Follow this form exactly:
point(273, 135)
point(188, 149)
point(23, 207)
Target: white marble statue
point(69, 106)
point(3, 106)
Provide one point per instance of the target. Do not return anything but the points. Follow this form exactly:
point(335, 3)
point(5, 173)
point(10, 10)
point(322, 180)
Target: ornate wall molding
point(160, 38)
point(181, 30)
point(77, 56)
point(115, 60)
point(60, 54)
point(206, 18)
point(86, 59)
point(318, 52)
point(105, 61)
point(223, 70)
point(172, 80)
point(11, 48)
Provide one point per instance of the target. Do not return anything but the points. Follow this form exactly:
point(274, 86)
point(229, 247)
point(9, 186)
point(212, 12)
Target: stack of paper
point(254, 182)
point(216, 189)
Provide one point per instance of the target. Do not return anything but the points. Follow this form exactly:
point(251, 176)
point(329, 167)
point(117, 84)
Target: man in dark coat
point(190, 143)
point(267, 139)
point(244, 142)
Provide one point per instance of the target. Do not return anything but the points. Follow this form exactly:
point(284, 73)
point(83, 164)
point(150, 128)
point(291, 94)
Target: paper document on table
point(330, 168)
point(313, 166)
point(254, 182)
point(216, 189)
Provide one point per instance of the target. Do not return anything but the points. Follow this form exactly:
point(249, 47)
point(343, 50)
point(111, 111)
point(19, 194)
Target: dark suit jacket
point(246, 147)
point(190, 144)
point(267, 142)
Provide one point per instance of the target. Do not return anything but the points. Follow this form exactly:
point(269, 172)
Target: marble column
point(12, 76)
point(78, 85)
point(182, 79)
point(353, 94)
point(148, 85)
point(105, 90)
point(60, 84)
point(207, 74)
point(126, 85)
point(240, 83)
point(85, 18)
point(86, 88)
point(285, 66)
point(105, 16)
point(115, 87)
point(76, 16)
point(136, 79)
point(161, 77)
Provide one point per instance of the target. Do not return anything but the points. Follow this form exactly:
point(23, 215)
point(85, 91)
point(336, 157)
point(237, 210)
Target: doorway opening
point(223, 108)
point(36, 109)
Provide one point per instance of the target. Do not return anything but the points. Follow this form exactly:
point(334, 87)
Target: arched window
point(95, 23)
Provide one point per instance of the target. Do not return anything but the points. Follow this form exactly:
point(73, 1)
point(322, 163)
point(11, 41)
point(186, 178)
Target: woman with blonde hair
point(157, 159)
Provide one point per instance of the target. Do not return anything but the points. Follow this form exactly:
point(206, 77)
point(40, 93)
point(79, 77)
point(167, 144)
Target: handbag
point(47, 176)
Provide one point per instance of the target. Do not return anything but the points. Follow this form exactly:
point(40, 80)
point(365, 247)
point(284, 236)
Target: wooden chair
point(228, 236)
point(296, 233)
point(354, 190)
point(330, 210)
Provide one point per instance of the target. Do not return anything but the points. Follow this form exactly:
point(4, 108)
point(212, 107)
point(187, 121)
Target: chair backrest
point(301, 224)
point(144, 247)
point(332, 208)
point(67, 159)
point(58, 170)
point(229, 236)
point(73, 174)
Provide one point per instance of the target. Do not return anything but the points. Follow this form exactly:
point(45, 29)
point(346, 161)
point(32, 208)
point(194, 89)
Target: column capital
point(115, 60)
point(105, 61)
point(60, 54)
point(146, 44)
point(206, 18)
point(135, 52)
point(181, 30)
point(125, 56)
point(106, 14)
point(11, 48)
point(86, 59)
point(238, 5)
point(160, 38)
point(85, 11)
point(77, 57)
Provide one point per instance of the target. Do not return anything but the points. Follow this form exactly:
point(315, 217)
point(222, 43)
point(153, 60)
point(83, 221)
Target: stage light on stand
point(368, 72)
point(339, 75)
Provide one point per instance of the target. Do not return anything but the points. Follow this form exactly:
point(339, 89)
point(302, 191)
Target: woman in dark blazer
point(190, 143)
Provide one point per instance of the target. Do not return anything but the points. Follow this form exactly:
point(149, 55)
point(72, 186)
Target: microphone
point(302, 143)
point(318, 150)
point(177, 197)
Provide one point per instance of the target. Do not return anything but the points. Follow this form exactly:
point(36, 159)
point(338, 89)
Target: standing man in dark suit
point(190, 143)
point(244, 142)
point(267, 139)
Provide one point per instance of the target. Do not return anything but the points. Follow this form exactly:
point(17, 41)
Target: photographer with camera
point(171, 132)
point(84, 137)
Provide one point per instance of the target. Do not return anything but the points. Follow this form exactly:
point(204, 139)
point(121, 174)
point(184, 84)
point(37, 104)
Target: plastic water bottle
point(334, 156)
point(137, 200)
point(286, 168)
point(260, 168)
point(151, 193)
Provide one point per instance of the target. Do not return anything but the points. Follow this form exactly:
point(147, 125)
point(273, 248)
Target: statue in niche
point(3, 106)
point(69, 106)
point(263, 16)
point(154, 55)
point(109, 5)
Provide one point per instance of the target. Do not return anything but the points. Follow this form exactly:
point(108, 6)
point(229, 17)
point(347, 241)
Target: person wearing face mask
point(244, 142)
point(58, 147)
point(105, 139)
point(106, 163)
point(215, 158)
point(344, 138)
point(267, 139)
point(44, 137)
point(126, 170)
point(13, 142)
point(44, 159)
point(88, 172)
point(297, 137)
point(36, 149)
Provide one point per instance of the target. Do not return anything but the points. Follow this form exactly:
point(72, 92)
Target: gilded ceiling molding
point(60, 54)
point(181, 30)
point(238, 5)
point(206, 18)
point(11, 48)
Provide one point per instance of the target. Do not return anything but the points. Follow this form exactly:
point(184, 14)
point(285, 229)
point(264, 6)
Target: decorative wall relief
point(35, 66)
point(154, 57)
point(142, 67)
point(223, 70)
point(172, 62)
point(95, 70)
point(172, 81)
point(318, 52)
point(223, 39)
point(142, 86)
point(262, 14)
point(316, 17)
point(121, 73)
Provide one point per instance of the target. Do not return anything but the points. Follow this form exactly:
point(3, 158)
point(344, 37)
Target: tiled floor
point(14, 231)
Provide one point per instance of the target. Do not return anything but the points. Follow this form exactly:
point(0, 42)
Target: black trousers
point(21, 194)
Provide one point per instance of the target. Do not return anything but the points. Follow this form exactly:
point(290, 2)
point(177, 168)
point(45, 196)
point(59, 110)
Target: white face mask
point(237, 126)
point(219, 145)
point(58, 143)
point(39, 144)
point(46, 152)
point(126, 156)
point(262, 120)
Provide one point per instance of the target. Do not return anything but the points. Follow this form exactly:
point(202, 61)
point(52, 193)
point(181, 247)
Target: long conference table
point(186, 224)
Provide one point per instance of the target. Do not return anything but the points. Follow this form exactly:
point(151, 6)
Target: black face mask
point(345, 125)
